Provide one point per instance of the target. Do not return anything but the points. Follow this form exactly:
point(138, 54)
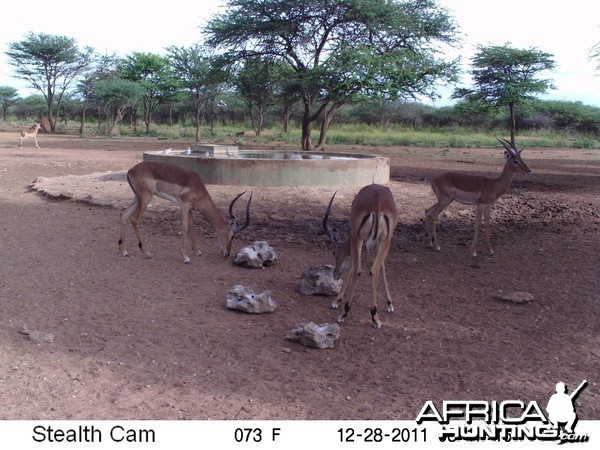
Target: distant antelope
point(30, 132)
point(476, 190)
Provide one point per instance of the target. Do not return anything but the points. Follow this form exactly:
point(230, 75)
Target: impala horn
point(328, 230)
point(509, 147)
point(233, 221)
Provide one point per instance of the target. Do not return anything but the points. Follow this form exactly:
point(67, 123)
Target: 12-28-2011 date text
point(367, 435)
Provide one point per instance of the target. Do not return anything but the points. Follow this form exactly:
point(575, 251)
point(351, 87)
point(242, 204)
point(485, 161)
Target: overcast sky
point(566, 30)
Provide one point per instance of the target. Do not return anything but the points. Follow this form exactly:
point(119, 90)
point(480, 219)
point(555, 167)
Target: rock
point(255, 256)
point(40, 336)
point(319, 281)
point(244, 299)
point(515, 297)
point(313, 335)
point(24, 329)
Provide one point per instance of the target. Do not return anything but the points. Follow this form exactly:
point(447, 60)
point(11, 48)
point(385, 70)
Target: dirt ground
point(138, 338)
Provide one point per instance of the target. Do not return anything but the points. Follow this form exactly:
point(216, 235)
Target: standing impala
point(373, 219)
point(473, 190)
point(30, 132)
point(185, 189)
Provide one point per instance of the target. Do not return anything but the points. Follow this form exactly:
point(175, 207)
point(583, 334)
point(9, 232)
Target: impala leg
point(354, 276)
point(135, 216)
point(478, 215)
point(338, 299)
point(486, 216)
point(428, 232)
point(35, 139)
point(390, 307)
point(185, 223)
point(382, 251)
point(431, 216)
point(192, 234)
point(125, 216)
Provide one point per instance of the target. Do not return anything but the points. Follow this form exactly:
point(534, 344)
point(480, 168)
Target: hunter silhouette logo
point(561, 407)
point(508, 420)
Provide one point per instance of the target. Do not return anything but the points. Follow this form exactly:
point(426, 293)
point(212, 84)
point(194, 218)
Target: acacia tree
point(153, 73)
point(8, 97)
point(194, 69)
point(104, 68)
point(49, 63)
point(116, 96)
point(506, 76)
point(340, 50)
point(258, 82)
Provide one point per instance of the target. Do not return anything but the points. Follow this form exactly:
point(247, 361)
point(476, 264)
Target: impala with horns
point(480, 191)
point(185, 189)
point(373, 219)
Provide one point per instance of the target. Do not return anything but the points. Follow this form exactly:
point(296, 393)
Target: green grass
point(358, 135)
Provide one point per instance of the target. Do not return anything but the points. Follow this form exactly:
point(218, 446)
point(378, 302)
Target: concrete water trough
point(228, 165)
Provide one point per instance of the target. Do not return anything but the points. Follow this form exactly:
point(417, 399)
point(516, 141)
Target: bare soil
point(141, 338)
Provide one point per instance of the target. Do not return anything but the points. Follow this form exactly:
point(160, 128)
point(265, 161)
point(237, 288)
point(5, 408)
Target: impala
point(30, 132)
point(373, 219)
point(185, 189)
point(475, 190)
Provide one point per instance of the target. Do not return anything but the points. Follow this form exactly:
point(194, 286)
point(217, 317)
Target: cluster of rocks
point(314, 281)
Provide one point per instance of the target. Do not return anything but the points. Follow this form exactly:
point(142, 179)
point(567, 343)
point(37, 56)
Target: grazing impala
point(30, 132)
point(373, 219)
point(185, 189)
point(473, 190)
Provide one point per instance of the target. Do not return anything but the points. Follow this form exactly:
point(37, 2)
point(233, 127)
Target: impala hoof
point(187, 261)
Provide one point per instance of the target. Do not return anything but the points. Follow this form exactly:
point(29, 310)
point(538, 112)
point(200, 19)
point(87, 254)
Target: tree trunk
point(82, 125)
point(51, 119)
point(513, 126)
point(285, 118)
point(307, 119)
point(198, 125)
point(328, 117)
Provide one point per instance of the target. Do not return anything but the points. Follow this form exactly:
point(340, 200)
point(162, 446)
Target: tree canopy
point(49, 63)
point(153, 73)
point(8, 97)
point(341, 50)
point(507, 76)
point(195, 71)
